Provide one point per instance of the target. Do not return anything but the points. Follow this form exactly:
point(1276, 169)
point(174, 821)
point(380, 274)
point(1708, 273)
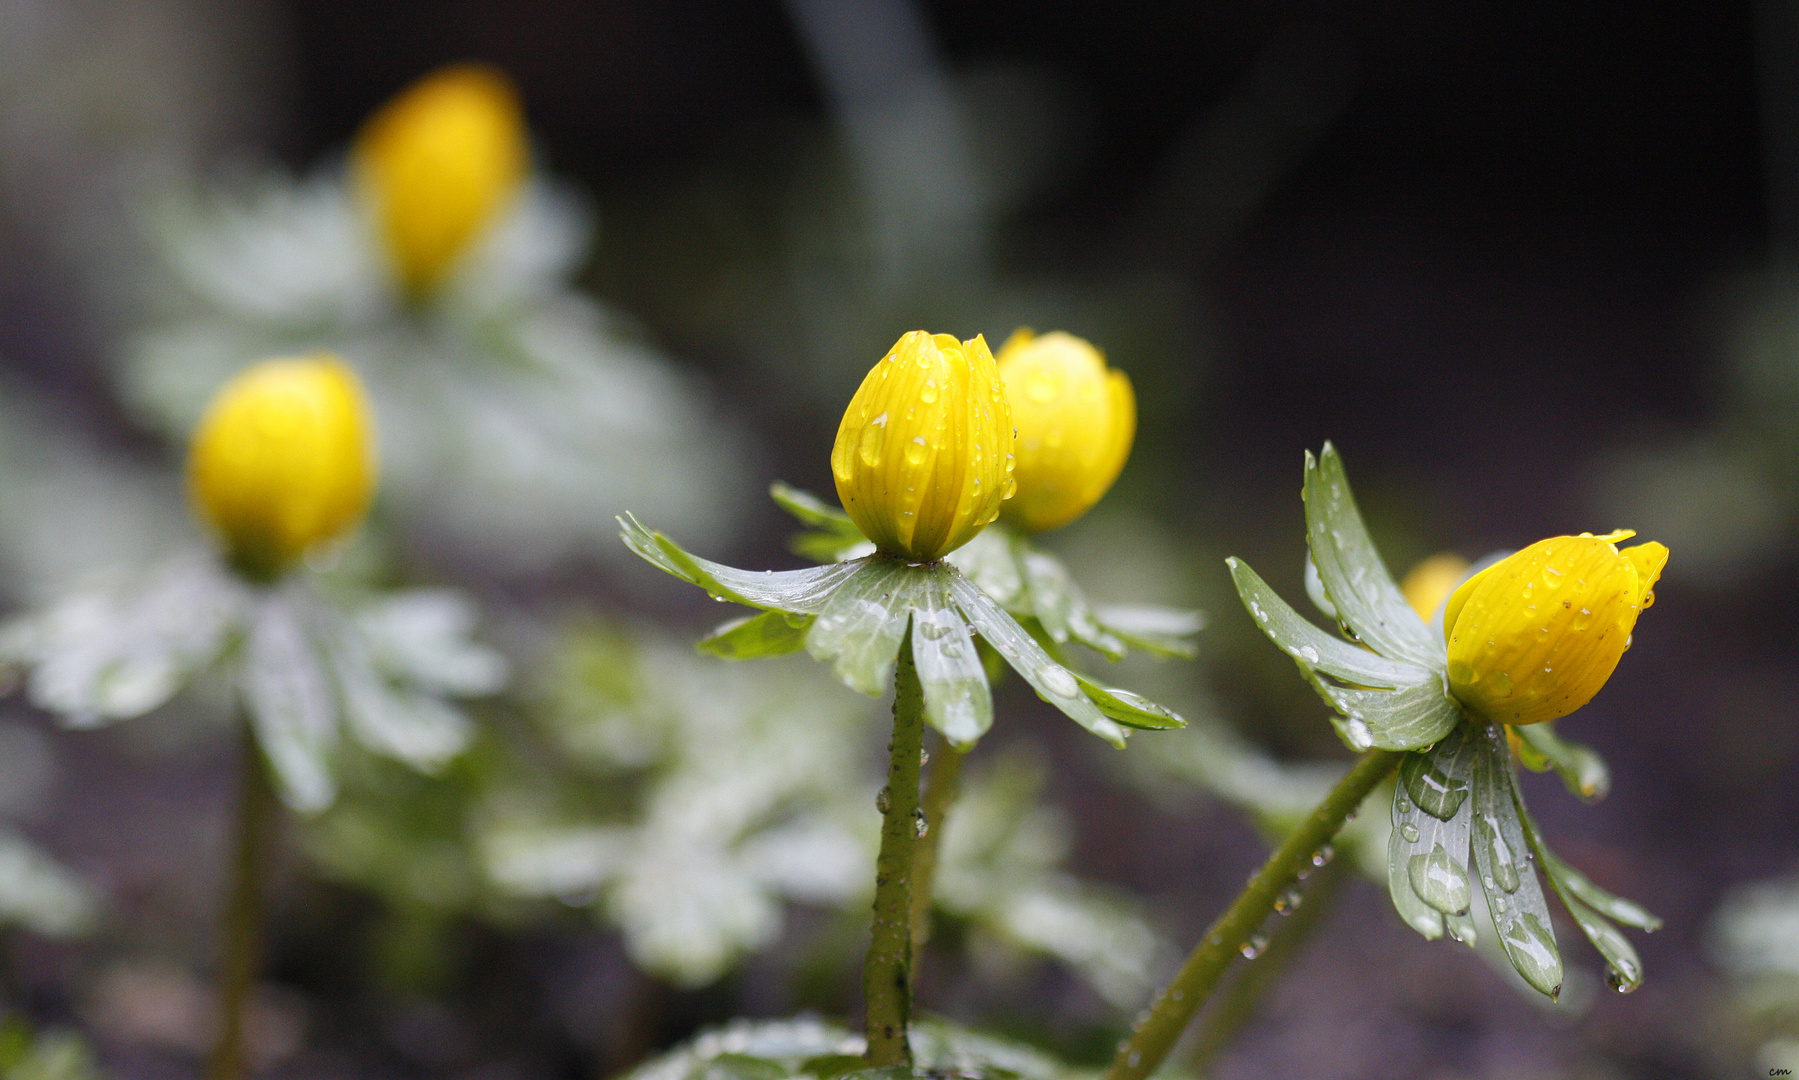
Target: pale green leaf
point(957, 700)
point(802, 592)
point(770, 633)
point(1502, 856)
point(860, 626)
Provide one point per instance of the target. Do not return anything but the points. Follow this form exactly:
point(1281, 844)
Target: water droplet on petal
point(1254, 946)
point(1057, 680)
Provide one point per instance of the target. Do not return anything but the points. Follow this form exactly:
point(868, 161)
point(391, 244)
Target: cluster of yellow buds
point(941, 439)
point(1534, 636)
point(283, 460)
point(438, 163)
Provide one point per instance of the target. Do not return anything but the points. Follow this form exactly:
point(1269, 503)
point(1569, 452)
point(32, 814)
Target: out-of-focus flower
point(1429, 583)
point(438, 164)
point(283, 460)
point(1534, 636)
point(924, 453)
point(1075, 421)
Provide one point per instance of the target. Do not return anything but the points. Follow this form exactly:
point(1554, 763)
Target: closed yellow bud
point(1534, 636)
point(1075, 422)
point(282, 460)
point(438, 163)
point(1431, 581)
point(924, 454)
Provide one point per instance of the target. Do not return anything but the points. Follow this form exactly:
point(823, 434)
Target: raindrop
point(1310, 654)
point(1532, 951)
point(1435, 792)
point(1056, 679)
point(1410, 832)
point(1324, 854)
point(1498, 853)
point(884, 801)
point(915, 450)
point(1620, 981)
point(1438, 881)
point(1403, 805)
point(933, 630)
point(928, 392)
point(1288, 899)
point(920, 825)
point(1254, 946)
point(868, 448)
point(924, 758)
point(1357, 731)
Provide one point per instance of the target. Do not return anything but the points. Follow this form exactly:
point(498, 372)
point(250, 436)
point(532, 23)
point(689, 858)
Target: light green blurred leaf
point(1581, 769)
point(1132, 710)
point(771, 633)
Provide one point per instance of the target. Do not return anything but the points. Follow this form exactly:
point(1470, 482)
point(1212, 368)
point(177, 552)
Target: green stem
point(886, 973)
point(1237, 1004)
point(940, 792)
point(244, 909)
point(1143, 1052)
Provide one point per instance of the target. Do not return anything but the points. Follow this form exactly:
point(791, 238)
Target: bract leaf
point(809, 508)
point(860, 626)
point(990, 560)
point(423, 637)
point(1502, 855)
point(400, 721)
point(1355, 579)
point(835, 538)
point(1315, 649)
point(1403, 719)
point(1571, 882)
point(957, 700)
point(771, 633)
point(1164, 631)
point(289, 703)
point(1060, 605)
point(1132, 710)
point(800, 591)
point(1417, 914)
point(1427, 853)
point(1626, 967)
point(1053, 682)
point(1580, 767)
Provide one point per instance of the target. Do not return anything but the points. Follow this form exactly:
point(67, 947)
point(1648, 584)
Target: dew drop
point(1057, 680)
point(1410, 832)
point(916, 450)
point(1254, 946)
point(920, 826)
point(928, 392)
point(1620, 982)
point(884, 801)
point(1324, 854)
point(1403, 805)
point(868, 447)
point(1438, 881)
point(1357, 731)
point(1288, 899)
point(1310, 654)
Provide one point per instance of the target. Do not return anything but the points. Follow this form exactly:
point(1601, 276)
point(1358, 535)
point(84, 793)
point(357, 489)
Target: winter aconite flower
point(1534, 636)
point(1396, 682)
point(1075, 421)
point(283, 460)
point(923, 456)
point(1427, 585)
point(438, 164)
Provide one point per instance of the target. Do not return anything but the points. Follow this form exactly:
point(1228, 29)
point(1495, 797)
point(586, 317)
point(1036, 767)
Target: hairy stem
point(1143, 1052)
point(940, 791)
point(1237, 1005)
point(244, 909)
point(887, 972)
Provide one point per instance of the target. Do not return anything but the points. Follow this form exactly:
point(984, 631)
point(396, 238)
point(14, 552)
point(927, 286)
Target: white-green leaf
point(1571, 882)
point(1581, 768)
point(1355, 579)
point(1427, 853)
point(1502, 855)
point(800, 591)
point(1164, 631)
point(391, 716)
point(422, 637)
point(835, 538)
point(990, 560)
point(1403, 719)
point(1132, 710)
point(1053, 682)
point(289, 701)
point(860, 626)
point(957, 700)
point(770, 633)
point(1315, 649)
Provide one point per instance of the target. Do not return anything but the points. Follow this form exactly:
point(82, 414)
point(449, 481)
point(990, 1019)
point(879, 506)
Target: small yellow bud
point(924, 454)
point(438, 163)
point(1075, 422)
point(1534, 636)
point(1431, 581)
point(283, 460)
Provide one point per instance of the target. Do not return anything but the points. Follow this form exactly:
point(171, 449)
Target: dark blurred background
point(1485, 248)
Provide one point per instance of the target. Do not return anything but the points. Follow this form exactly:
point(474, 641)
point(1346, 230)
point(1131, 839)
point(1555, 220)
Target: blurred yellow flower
point(1534, 636)
point(924, 454)
point(1075, 422)
point(438, 163)
point(1431, 581)
point(282, 460)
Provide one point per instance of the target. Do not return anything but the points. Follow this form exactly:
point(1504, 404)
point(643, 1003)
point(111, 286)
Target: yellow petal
point(1076, 421)
point(282, 460)
point(923, 457)
point(439, 163)
point(1535, 636)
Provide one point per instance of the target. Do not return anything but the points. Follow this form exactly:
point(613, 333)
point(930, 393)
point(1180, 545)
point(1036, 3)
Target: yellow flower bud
point(1430, 582)
point(282, 460)
point(438, 163)
point(924, 454)
point(1075, 422)
point(1534, 636)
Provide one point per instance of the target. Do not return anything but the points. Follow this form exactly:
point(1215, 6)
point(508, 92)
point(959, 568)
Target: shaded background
point(1486, 249)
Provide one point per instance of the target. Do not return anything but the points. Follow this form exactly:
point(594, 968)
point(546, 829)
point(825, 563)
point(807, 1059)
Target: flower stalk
point(1155, 1035)
point(244, 908)
point(887, 970)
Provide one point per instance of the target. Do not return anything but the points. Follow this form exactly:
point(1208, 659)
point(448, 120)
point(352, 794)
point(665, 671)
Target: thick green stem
point(244, 909)
point(1237, 1005)
point(887, 972)
point(1143, 1052)
point(940, 791)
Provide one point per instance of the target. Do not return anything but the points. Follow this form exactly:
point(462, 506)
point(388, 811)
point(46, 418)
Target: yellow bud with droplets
point(1075, 422)
point(1429, 583)
point(438, 164)
point(923, 457)
point(1534, 636)
point(282, 460)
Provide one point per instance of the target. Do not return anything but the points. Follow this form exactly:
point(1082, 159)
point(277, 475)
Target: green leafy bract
point(796, 591)
point(772, 633)
point(1502, 858)
point(957, 699)
point(1581, 769)
point(1427, 852)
